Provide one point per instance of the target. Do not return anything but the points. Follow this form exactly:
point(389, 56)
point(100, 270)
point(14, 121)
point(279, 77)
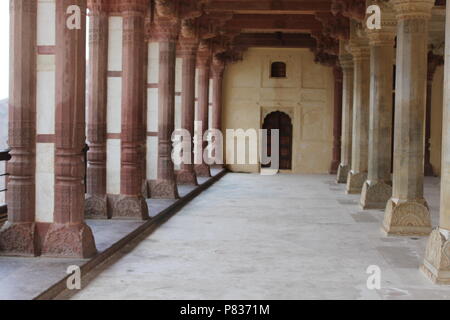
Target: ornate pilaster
point(166, 31)
point(436, 264)
point(188, 52)
point(377, 189)
point(131, 202)
point(359, 48)
point(346, 62)
point(203, 65)
point(18, 236)
point(407, 211)
point(95, 206)
point(68, 235)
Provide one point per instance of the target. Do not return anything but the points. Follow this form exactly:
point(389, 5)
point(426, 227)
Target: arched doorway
point(281, 121)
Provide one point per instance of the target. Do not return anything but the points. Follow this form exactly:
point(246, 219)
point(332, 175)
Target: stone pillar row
point(372, 59)
point(47, 204)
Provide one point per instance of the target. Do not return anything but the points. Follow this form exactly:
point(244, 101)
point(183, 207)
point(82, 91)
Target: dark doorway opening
point(282, 122)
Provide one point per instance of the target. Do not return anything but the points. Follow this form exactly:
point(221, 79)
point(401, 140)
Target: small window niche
point(278, 70)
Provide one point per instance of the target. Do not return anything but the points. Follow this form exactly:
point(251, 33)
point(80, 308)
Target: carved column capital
point(166, 29)
point(133, 7)
point(217, 67)
point(187, 46)
point(97, 6)
point(386, 35)
point(413, 9)
point(204, 54)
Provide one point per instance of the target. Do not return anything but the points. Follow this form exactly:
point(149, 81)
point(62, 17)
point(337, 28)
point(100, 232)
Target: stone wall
point(306, 95)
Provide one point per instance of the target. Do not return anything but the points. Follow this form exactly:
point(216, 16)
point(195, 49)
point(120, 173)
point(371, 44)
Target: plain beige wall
point(306, 95)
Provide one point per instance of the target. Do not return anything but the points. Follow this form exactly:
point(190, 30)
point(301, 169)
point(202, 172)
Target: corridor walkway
point(276, 237)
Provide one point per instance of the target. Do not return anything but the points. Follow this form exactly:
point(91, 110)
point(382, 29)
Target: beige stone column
point(378, 187)
point(359, 48)
point(437, 255)
point(346, 62)
point(407, 211)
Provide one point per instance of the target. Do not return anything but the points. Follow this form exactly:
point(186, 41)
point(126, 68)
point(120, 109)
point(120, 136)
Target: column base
point(163, 189)
point(407, 218)
point(428, 170)
point(342, 173)
point(375, 194)
point(128, 207)
point(69, 241)
point(436, 265)
point(203, 170)
point(95, 207)
point(19, 239)
point(355, 182)
point(187, 177)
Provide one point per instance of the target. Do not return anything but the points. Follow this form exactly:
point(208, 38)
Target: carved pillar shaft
point(69, 235)
point(358, 172)
point(337, 119)
point(188, 53)
point(407, 211)
point(346, 62)
point(165, 185)
point(202, 116)
point(96, 108)
point(218, 68)
point(18, 236)
point(377, 189)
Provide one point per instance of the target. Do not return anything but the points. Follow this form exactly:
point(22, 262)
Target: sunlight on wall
point(4, 52)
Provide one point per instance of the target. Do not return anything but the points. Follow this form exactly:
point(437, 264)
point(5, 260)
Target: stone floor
point(26, 278)
point(270, 237)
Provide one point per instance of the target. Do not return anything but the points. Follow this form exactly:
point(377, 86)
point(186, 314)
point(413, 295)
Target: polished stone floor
point(270, 237)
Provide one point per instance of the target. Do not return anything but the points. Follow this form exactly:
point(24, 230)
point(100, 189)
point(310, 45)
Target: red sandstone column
point(131, 202)
point(203, 65)
point(18, 236)
point(433, 62)
point(218, 67)
point(165, 185)
point(188, 52)
point(337, 119)
point(95, 205)
point(68, 235)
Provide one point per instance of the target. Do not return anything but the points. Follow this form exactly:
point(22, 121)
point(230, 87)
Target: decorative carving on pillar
point(407, 211)
point(18, 236)
point(95, 206)
point(68, 235)
point(166, 30)
point(354, 9)
point(203, 65)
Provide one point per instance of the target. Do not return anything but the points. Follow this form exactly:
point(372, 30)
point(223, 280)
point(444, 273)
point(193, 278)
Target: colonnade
point(127, 123)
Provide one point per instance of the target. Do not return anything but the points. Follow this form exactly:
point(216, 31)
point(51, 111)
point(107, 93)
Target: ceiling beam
point(274, 23)
point(269, 6)
point(272, 40)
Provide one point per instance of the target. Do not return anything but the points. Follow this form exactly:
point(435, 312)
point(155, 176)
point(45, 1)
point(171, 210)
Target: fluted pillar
point(68, 235)
point(203, 64)
point(378, 187)
point(217, 70)
point(346, 62)
point(407, 211)
point(95, 205)
point(359, 48)
point(188, 52)
point(337, 119)
point(18, 236)
point(436, 264)
point(166, 31)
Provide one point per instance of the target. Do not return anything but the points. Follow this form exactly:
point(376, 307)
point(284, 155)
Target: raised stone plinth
point(342, 173)
point(407, 218)
point(163, 189)
point(436, 265)
point(375, 194)
point(355, 182)
point(203, 170)
point(95, 207)
point(128, 207)
point(19, 239)
point(187, 177)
